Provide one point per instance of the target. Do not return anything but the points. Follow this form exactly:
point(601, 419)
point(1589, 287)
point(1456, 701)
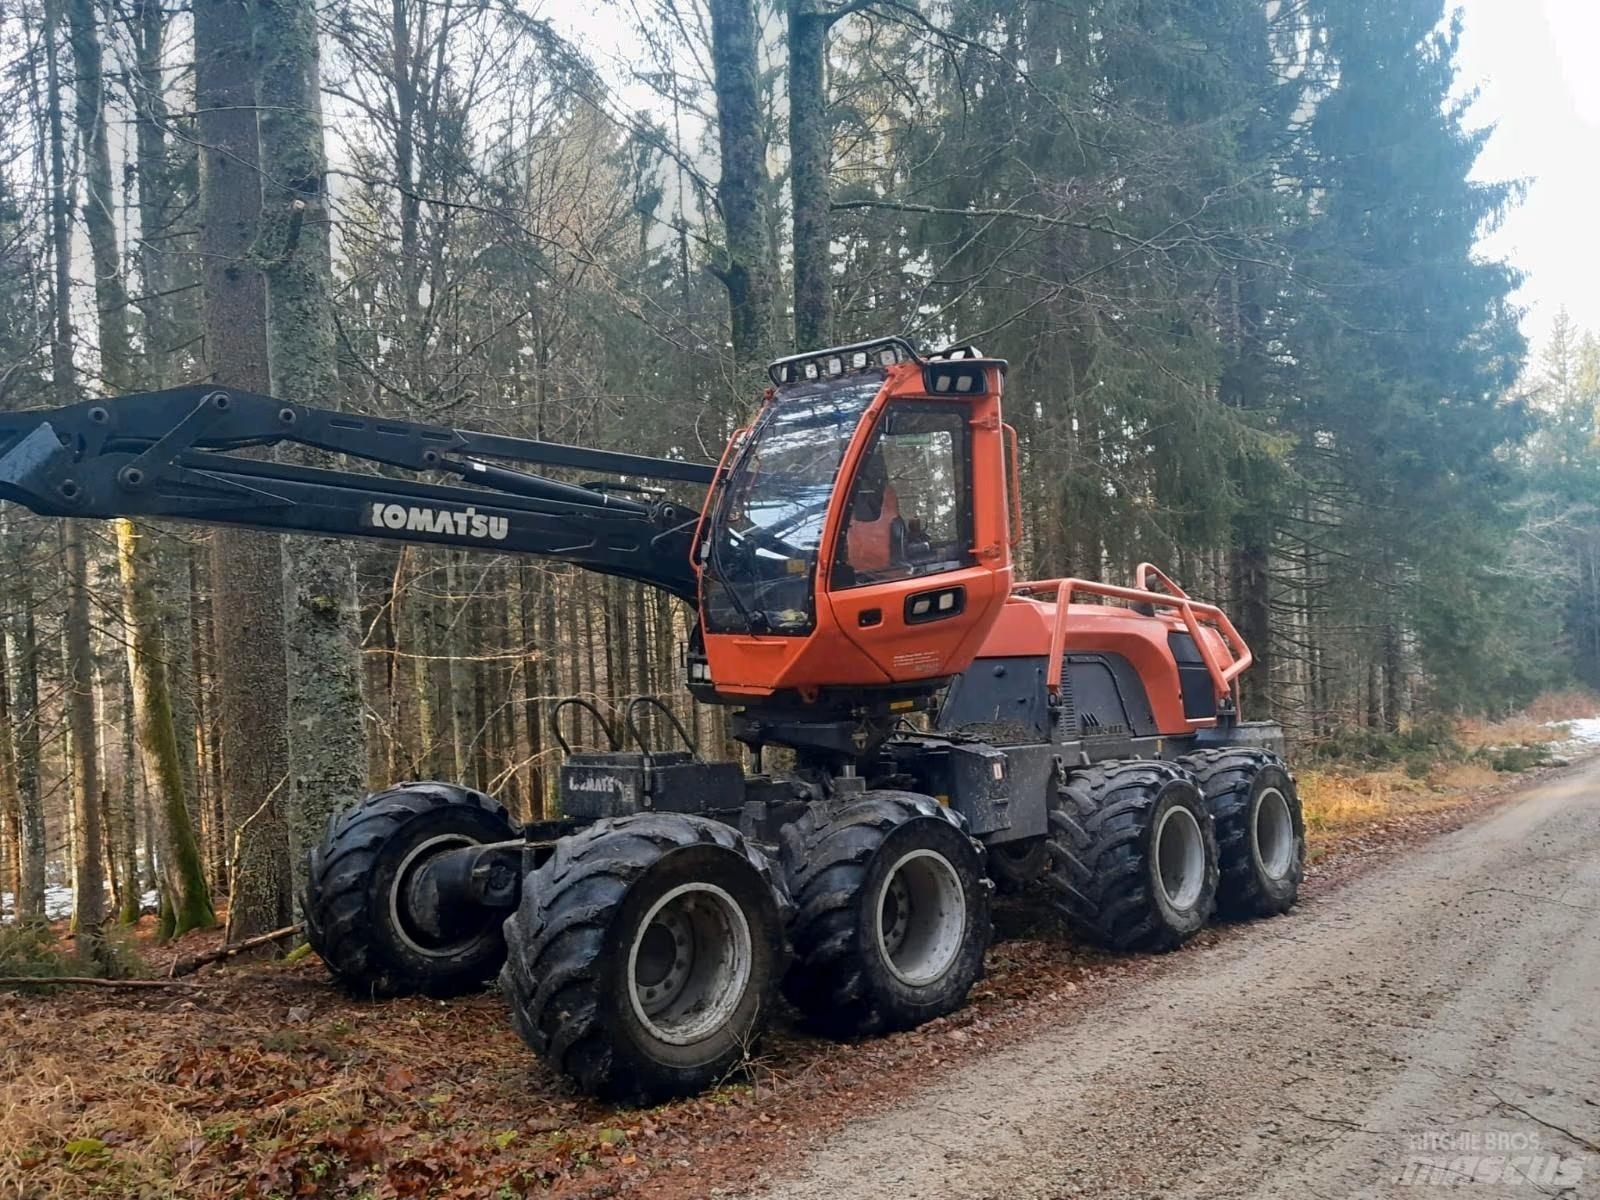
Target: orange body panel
point(1025, 627)
point(842, 650)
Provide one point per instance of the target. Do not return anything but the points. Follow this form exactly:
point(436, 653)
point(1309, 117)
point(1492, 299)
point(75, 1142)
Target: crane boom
point(172, 453)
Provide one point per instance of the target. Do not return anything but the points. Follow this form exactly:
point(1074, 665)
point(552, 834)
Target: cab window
point(761, 550)
point(910, 508)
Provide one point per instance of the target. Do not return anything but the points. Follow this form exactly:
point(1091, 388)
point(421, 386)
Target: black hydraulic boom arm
point(166, 454)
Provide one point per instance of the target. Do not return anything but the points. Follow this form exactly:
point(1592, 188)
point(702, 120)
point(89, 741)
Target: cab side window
point(909, 512)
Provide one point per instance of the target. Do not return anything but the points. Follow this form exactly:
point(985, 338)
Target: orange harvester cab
point(859, 536)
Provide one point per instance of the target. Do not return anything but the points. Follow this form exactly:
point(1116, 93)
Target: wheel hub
point(921, 917)
point(1274, 833)
point(689, 963)
point(896, 917)
point(659, 957)
point(1180, 857)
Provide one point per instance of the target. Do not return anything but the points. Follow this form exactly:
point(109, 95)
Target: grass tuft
point(1520, 730)
point(1563, 705)
point(1339, 803)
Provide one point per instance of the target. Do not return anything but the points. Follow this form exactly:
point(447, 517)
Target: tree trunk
point(549, 663)
point(1393, 677)
point(401, 738)
point(1253, 584)
point(124, 818)
point(613, 635)
point(88, 871)
point(642, 656)
point(809, 147)
point(419, 621)
point(22, 720)
point(170, 563)
point(531, 595)
point(456, 668)
point(480, 669)
point(157, 190)
point(747, 273)
point(175, 590)
point(147, 862)
point(116, 370)
point(11, 852)
point(99, 202)
point(208, 763)
point(88, 874)
point(327, 736)
point(247, 596)
point(182, 870)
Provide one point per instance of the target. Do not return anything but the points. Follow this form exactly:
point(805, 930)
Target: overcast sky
point(1537, 63)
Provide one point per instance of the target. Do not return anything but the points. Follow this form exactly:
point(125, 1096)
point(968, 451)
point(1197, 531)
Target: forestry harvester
point(948, 728)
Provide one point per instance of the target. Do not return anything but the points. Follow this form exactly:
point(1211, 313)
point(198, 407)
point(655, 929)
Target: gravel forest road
point(1430, 1028)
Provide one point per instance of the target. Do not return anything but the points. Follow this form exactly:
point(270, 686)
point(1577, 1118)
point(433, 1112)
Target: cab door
point(909, 578)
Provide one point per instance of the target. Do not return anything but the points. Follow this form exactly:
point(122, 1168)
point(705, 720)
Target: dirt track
point(1432, 1028)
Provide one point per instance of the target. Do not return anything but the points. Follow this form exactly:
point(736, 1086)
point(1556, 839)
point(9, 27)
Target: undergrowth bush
point(28, 948)
point(1416, 748)
point(1420, 750)
point(31, 949)
point(1514, 759)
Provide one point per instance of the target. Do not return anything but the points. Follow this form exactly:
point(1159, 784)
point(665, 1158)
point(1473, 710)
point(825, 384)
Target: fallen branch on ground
point(191, 964)
point(89, 980)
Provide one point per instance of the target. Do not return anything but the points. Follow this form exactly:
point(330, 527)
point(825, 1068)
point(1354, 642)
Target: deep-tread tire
point(567, 972)
point(350, 903)
point(1016, 866)
point(1104, 874)
point(837, 863)
point(1234, 781)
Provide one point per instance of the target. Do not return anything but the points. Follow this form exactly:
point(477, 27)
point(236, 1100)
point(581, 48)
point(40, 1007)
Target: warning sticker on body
point(923, 662)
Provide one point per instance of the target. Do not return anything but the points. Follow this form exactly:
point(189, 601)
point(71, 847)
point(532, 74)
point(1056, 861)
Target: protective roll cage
point(169, 454)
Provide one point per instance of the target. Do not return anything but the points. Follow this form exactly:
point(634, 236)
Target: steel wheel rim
point(689, 963)
point(404, 878)
point(1180, 854)
point(1274, 833)
point(920, 917)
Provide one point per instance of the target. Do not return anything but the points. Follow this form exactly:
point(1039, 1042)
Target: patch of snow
point(1583, 735)
point(58, 903)
point(1583, 729)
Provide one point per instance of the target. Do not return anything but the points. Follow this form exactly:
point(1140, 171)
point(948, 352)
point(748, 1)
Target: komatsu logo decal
point(608, 785)
point(471, 523)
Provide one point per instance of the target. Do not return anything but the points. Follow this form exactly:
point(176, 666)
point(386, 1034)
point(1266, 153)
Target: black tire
point(355, 895)
point(1261, 843)
point(611, 895)
point(1109, 880)
point(866, 864)
point(1016, 866)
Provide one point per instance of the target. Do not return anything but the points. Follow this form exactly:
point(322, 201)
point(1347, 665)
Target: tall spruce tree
point(1408, 343)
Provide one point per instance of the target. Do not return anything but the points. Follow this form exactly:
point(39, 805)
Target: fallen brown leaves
point(266, 1082)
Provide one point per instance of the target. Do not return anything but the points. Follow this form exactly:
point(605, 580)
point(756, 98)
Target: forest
point(1227, 246)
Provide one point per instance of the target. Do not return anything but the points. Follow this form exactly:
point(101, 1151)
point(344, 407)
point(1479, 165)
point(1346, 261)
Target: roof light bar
point(956, 371)
point(837, 361)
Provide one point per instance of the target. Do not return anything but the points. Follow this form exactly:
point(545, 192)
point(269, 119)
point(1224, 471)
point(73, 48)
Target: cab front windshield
point(761, 554)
